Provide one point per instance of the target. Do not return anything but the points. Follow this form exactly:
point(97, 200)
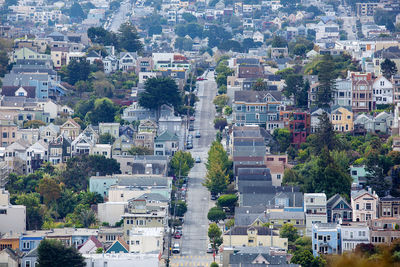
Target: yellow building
point(253, 236)
point(9, 241)
point(342, 120)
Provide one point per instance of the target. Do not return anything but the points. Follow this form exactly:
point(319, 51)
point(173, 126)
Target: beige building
point(253, 236)
point(109, 128)
point(144, 219)
point(59, 56)
point(8, 133)
point(364, 204)
point(383, 230)
point(71, 129)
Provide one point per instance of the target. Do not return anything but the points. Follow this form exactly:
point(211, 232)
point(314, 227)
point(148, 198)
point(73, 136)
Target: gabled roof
point(167, 136)
point(335, 199)
point(10, 90)
point(93, 54)
point(34, 253)
point(256, 96)
point(71, 121)
point(118, 246)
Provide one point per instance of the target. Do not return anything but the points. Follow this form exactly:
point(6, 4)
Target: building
point(352, 235)
point(389, 207)
point(342, 93)
point(362, 88)
point(166, 144)
point(315, 209)
point(338, 209)
point(146, 240)
point(8, 133)
point(342, 119)
point(12, 217)
point(364, 205)
point(250, 236)
point(299, 127)
point(326, 239)
point(383, 91)
point(384, 230)
point(396, 88)
point(366, 9)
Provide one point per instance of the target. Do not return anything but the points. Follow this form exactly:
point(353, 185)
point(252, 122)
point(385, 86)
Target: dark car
point(214, 197)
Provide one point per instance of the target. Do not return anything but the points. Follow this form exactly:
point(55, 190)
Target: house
point(28, 135)
point(146, 240)
point(111, 128)
point(31, 258)
point(338, 209)
point(102, 150)
point(277, 165)
point(251, 236)
point(299, 127)
point(122, 145)
point(127, 61)
point(389, 206)
point(27, 91)
point(326, 238)
point(257, 108)
point(362, 88)
point(110, 64)
point(383, 91)
point(143, 219)
point(119, 246)
point(11, 213)
point(15, 156)
point(143, 164)
point(9, 258)
point(31, 240)
point(9, 240)
point(59, 150)
point(8, 133)
point(166, 144)
point(49, 133)
point(37, 154)
point(315, 209)
point(364, 123)
point(315, 119)
point(383, 123)
point(25, 53)
point(86, 141)
point(107, 235)
point(384, 230)
point(342, 95)
point(364, 205)
point(71, 129)
point(93, 57)
point(352, 235)
point(90, 246)
point(396, 88)
point(359, 174)
point(342, 119)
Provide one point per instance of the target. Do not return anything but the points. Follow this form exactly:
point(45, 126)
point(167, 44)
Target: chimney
point(369, 190)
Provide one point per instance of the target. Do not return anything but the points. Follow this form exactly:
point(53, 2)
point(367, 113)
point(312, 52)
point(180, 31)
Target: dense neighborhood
point(199, 133)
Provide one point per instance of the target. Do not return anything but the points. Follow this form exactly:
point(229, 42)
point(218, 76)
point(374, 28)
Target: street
point(119, 17)
point(194, 240)
point(349, 25)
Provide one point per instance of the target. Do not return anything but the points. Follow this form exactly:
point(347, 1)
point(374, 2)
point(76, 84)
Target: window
point(368, 206)
point(5, 135)
point(26, 245)
point(278, 176)
point(27, 263)
point(137, 242)
point(3, 211)
point(357, 206)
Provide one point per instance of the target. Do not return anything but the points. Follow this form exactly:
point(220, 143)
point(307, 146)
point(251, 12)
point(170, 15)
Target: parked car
point(176, 248)
point(198, 159)
point(198, 135)
point(177, 235)
point(189, 146)
point(209, 249)
point(191, 128)
point(214, 197)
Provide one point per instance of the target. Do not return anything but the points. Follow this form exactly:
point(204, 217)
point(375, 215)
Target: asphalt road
point(194, 240)
point(349, 23)
point(120, 17)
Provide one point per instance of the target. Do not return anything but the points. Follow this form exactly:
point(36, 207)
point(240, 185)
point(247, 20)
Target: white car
point(176, 248)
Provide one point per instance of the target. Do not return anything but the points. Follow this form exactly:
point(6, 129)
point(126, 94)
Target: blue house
point(29, 242)
point(326, 238)
point(119, 246)
point(338, 209)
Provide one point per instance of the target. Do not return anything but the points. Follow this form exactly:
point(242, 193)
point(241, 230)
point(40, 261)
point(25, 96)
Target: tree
point(216, 214)
point(216, 180)
point(34, 216)
point(140, 150)
point(306, 258)
point(33, 124)
point(377, 170)
point(106, 138)
point(160, 91)
point(49, 189)
point(326, 79)
point(53, 253)
point(104, 110)
point(259, 85)
point(77, 71)
point(294, 83)
point(103, 88)
point(181, 208)
point(76, 11)
point(289, 231)
point(388, 68)
point(282, 136)
point(214, 264)
point(325, 136)
point(214, 234)
point(128, 38)
point(181, 163)
point(278, 41)
point(221, 100)
point(227, 201)
point(189, 17)
point(220, 123)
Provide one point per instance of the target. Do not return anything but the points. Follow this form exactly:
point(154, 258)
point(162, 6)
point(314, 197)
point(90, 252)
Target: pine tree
point(326, 79)
point(388, 68)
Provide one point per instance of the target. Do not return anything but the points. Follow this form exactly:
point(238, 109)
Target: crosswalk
point(197, 264)
point(208, 257)
point(191, 260)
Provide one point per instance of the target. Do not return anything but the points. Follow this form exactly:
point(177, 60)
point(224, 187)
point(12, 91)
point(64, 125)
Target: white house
point(127, 61)
point(258, 37)
point(315, 209)
point(146, 240)
point(110, 64)
point(12, 217)
point(364, 204)
point(383, 91)
point(352, 235)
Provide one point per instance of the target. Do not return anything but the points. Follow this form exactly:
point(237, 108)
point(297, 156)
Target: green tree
point(214, 264)
point(259, 85)
point(306, 258)
point(106, 138)
point(103, 88)
point(33, 124)
point(181, 163)
point(140, 150)
point(53, 253)
point(377, 167)
point(325, 136)
point(294, 83)
point(227, 201)
point(216, 214)
point(181, 208)
point(216, 180)
point(214, 234)
point(282, 136)
point(289, 231)
point(326, 79)
point(160, 91)
point(278, 41)
point(189, 17)
point(128, 38)
point(104, 110)
point(220, 123)
point(77, 71)
point(34, 217)
point(388, 68)
point(76, 11)
point(49, 189)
